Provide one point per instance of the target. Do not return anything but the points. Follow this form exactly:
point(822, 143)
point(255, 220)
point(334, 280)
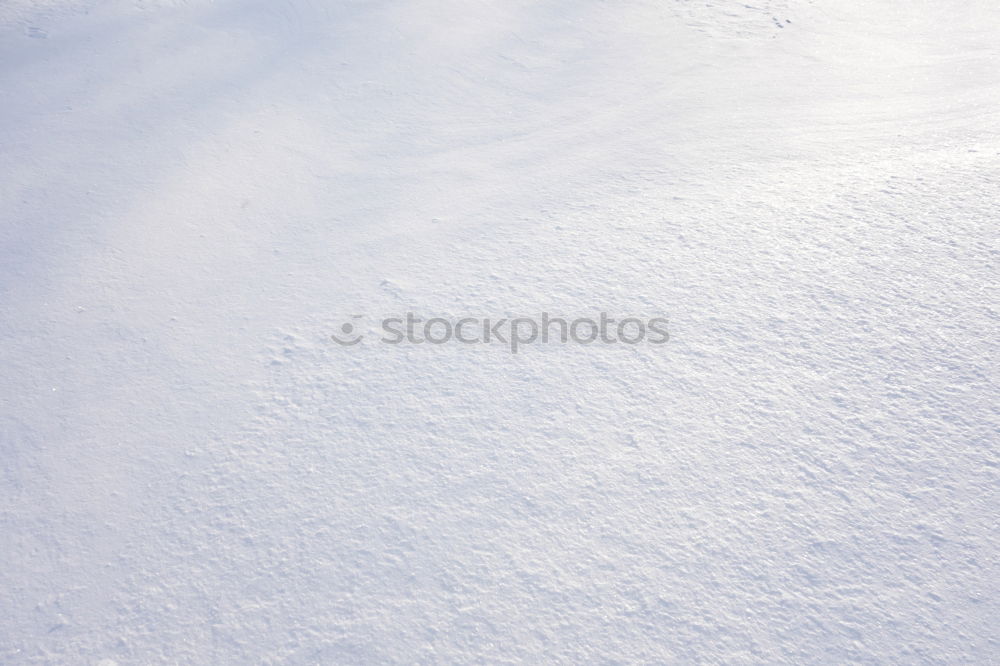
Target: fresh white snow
point(195, 194)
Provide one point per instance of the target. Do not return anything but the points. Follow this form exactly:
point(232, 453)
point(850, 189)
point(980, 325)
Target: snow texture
point(194, 195)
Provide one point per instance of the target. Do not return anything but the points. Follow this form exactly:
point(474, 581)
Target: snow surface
point(196, 194)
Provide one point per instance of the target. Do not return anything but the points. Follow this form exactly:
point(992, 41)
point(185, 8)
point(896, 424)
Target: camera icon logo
point(350, 337)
